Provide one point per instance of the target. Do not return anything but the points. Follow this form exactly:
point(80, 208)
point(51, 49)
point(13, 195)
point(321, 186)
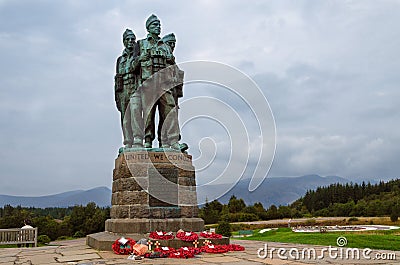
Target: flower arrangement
point(160, 235)
point(187, 236)
point(210, 248)
point(123, 246)
point(212, 235)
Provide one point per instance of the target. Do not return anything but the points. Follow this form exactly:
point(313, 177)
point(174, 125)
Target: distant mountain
point(101, 196)
point(277, 191)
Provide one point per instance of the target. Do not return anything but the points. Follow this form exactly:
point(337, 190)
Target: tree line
point(55, 223)
point(365, 199)
point(237, 211)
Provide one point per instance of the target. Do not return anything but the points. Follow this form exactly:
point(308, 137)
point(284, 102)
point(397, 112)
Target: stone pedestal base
point(104, 240)
point(153, 190)
point(141, 228)
point(153, 185)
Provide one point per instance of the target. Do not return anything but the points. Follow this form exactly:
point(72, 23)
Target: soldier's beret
point(151, 19)
point(169, 37)
point(128, 32)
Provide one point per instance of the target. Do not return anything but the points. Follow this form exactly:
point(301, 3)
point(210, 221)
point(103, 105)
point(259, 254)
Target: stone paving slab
point(219, 259)
point(40, 259)
point(8, 252)
point(77, 253)
point(7, 259)
point(107, 255)
point(66, 252)
point(168, 261)
point(73, 248)
point(82, 257)
point(275, 262)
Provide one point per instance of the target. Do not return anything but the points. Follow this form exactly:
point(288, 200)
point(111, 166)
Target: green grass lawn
point(389, 240)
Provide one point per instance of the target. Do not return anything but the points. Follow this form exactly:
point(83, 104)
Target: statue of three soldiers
point(148, 78)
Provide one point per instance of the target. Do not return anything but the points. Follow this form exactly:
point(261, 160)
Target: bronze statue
point(148, 79)
point(127, 95)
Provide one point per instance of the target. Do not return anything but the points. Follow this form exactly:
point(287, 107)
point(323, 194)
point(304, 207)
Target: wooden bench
point(19, 236)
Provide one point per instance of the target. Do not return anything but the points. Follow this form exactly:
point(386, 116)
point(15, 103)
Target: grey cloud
point(328, 123)
point(328, 69)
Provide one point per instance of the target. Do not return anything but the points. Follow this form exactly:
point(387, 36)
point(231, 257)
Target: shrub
point(240, 217)
point(79, 234)
point(247, 217)
point(224, 228)
point(311, 222)
point(44, 239)
point(241, 226)
point(63, 238)
point(394, 217)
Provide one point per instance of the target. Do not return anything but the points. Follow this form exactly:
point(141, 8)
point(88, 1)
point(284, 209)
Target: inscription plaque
point(163, 187)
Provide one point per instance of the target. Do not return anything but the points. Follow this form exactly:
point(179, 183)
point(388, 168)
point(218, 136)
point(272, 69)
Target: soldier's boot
point(181, 147)
point(148, 143)
point(137, 143)
point(164, 144)
point(127, 143)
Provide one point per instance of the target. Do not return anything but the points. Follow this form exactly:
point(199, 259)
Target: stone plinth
point(152, 191)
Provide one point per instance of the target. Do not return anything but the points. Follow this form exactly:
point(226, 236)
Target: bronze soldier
point(177, 91)
point(127, 95)
point(155, 79)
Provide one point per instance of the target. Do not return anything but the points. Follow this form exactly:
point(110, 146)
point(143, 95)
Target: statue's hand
point(171, 59)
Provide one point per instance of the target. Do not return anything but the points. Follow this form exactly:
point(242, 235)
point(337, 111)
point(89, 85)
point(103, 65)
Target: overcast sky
point(329, 69)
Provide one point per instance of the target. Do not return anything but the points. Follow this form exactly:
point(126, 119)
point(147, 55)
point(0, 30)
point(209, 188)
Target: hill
point(277, 191)
point(365, 199)
point(100, 195)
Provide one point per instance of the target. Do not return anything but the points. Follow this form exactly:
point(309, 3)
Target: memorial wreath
point(210, 235)
point(160, 235)
point(187, 236)
point(123, 246)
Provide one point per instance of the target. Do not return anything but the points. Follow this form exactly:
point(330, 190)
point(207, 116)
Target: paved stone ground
point(75, 252)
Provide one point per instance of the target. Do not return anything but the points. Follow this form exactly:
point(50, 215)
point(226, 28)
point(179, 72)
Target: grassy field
point(389, 240)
